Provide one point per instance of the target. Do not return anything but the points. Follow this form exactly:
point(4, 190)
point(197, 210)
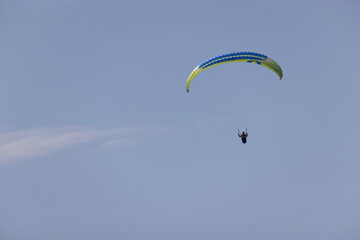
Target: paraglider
point(249, 57)
point(243, 136)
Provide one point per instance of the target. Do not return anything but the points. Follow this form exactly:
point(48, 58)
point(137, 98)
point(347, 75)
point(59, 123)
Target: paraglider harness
point(243, 135)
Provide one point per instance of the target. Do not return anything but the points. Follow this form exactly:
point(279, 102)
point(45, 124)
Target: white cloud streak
point(38, 142)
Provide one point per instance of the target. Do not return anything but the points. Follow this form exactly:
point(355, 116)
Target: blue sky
point(99, 139)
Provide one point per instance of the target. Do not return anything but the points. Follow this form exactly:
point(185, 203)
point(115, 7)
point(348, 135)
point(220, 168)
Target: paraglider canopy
point(249, 57)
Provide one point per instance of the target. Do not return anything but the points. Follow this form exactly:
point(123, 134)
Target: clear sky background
point(99, 139)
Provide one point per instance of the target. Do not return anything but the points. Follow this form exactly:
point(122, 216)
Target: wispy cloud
point(37, 142)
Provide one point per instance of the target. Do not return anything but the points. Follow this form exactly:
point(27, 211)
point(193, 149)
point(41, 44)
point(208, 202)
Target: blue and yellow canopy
point(249, 57)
